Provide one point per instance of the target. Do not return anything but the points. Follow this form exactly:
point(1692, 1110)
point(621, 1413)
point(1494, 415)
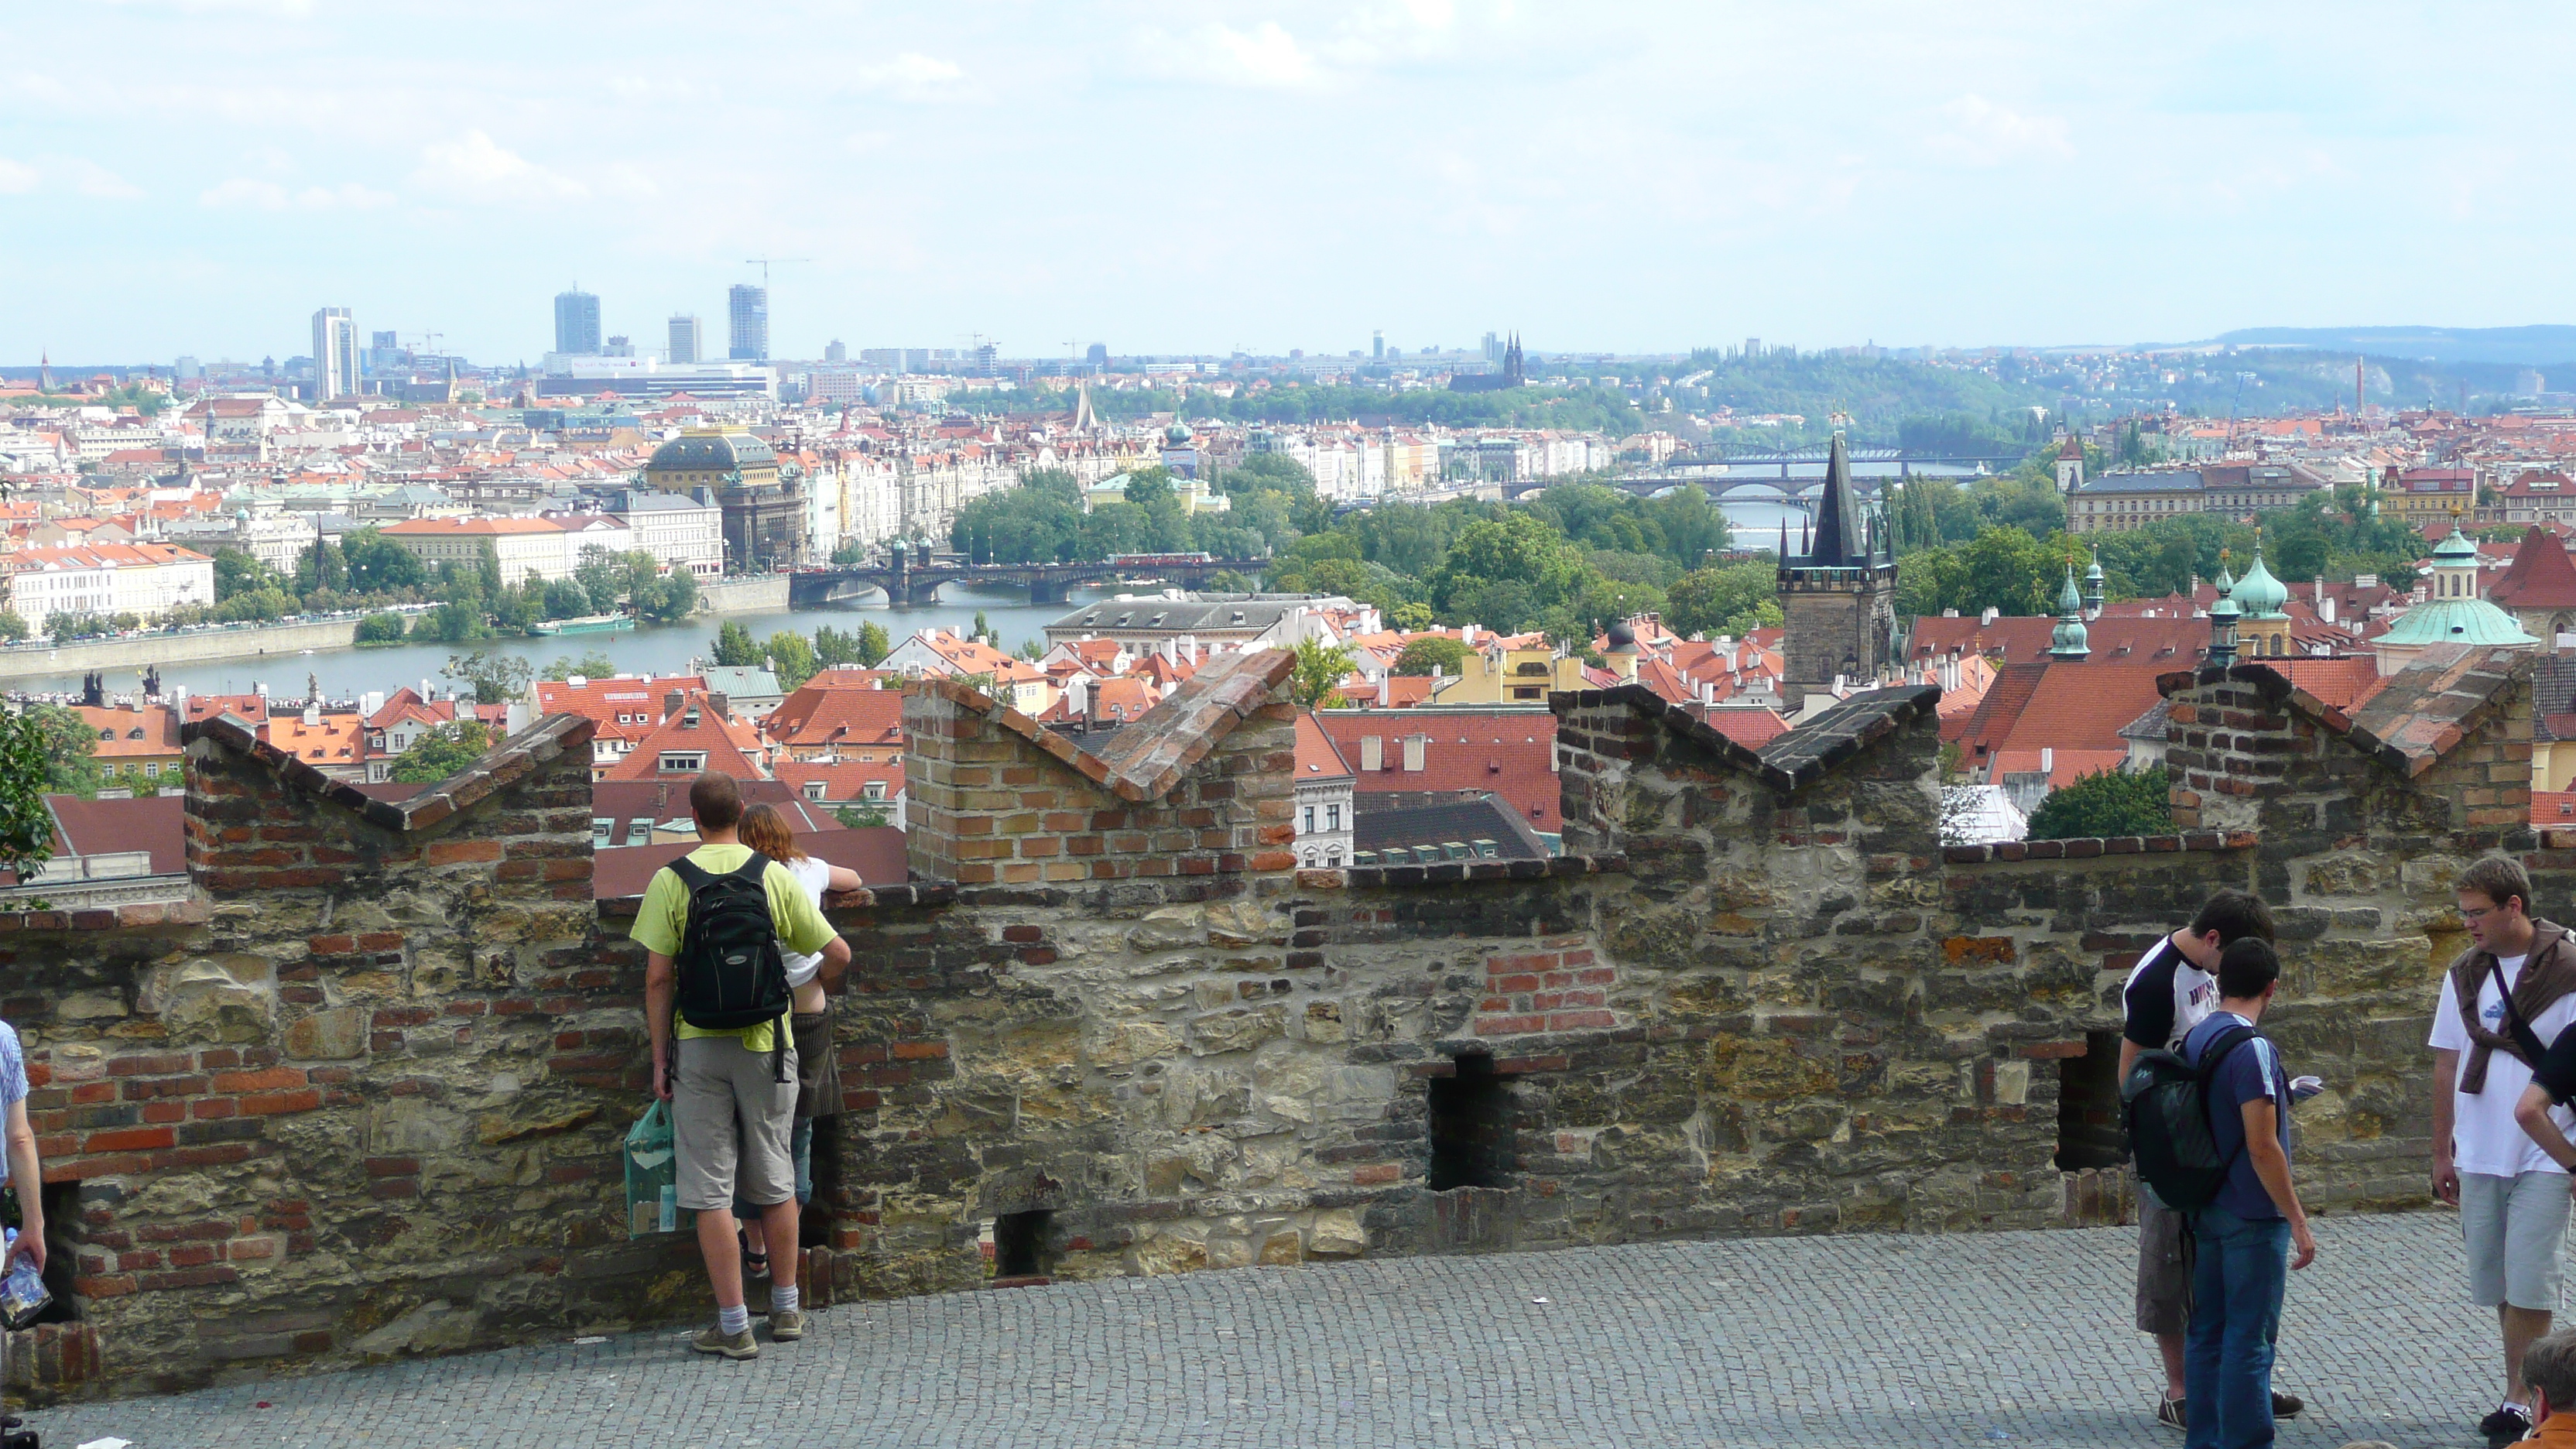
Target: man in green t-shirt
point(732, 1108)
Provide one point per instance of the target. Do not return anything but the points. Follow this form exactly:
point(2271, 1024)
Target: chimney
point(2047, 761)
point(671, 703)
point(521, 715)
point(1415, 747)
point(716, 703)
point(313, 712)
point(1372, 752)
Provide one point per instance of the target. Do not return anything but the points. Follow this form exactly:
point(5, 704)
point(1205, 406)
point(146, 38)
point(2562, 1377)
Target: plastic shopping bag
point(652, 1175)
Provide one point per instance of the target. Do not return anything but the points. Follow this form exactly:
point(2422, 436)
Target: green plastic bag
point(652, 1175)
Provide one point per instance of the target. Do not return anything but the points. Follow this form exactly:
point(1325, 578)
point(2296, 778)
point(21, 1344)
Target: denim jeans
point(2235, 1316)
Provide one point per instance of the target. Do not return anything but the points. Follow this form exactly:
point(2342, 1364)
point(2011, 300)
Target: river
point(663, 649)
point(669, 648)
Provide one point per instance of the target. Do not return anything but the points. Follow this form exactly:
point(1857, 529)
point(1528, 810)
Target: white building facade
point(144, 579)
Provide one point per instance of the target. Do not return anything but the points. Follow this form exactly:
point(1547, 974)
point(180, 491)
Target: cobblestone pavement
point(2006, 1338)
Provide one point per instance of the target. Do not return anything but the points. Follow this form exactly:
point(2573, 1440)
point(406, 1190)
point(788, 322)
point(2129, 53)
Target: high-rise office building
point(1377, 346)
point(1097, 354)
point(688, 339)
point(748, 308)
point(335, 353)
point(577, 323)
point(836, 351)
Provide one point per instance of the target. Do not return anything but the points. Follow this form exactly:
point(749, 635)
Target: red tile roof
point(2540, 577)
point(840, 710)
point(877, 854)
point(1317, 758)
point(1752, 727)
point(2174, 642)
point(730, 744)
point(150, 732)
point(154, 824)
point(844, 781)
point(2553, 810)
point(1512, 753)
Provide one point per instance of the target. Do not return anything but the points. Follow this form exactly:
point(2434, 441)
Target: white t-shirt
point(814, 873)
point(2485, 1139)
point(2166, 996)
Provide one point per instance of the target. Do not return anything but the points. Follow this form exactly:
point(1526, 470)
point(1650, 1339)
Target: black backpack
point(731, 971)
point(2165, 1103)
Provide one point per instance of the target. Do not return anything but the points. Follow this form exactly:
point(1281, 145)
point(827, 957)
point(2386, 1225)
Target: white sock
point(782, 1300)
point(737, 1319)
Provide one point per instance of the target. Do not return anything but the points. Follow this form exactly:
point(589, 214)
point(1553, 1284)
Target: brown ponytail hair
point(765, 830)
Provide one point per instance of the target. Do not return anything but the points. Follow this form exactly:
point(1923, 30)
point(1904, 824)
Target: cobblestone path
point(2007, 1338)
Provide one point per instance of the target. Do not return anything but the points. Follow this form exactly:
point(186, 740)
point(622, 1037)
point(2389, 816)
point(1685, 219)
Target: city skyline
point(1183, 179)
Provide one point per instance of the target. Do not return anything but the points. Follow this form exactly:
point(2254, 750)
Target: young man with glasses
point(2510, 994)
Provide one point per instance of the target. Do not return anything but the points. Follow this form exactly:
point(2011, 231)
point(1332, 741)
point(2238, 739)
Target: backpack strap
point(754, 869)
point(2210, 1059)
point(692, 875)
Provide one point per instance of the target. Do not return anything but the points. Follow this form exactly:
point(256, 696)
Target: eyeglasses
point(2480, 914)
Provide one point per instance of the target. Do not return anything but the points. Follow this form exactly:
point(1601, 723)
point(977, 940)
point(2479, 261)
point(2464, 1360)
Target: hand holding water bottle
point(30, 1246)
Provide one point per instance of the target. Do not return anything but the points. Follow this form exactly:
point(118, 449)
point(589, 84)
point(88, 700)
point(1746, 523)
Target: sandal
point(755, 1265)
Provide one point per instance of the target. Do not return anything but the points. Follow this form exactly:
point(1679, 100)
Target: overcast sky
point(196, 176)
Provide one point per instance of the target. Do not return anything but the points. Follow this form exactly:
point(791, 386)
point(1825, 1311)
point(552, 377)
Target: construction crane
point(765, 263)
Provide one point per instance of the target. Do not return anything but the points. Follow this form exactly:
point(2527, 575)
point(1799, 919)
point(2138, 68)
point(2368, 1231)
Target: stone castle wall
point(364, 1098)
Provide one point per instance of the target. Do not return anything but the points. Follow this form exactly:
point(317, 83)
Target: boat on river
point(586, 624)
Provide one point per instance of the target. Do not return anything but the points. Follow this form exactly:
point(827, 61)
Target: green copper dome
point(2069, 640)
point(2258, 594)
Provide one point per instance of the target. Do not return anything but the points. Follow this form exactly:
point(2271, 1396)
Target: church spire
point(1839, 540)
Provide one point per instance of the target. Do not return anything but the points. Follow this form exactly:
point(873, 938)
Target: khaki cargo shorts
point(730, 1120)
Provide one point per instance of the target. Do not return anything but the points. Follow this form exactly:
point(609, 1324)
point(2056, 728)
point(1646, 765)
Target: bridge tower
point(1838, 599)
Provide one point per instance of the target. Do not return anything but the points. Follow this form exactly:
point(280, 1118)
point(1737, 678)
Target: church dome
point(1621, 638)
point(710, 451)
point(1178, 434)
point(2258, 594)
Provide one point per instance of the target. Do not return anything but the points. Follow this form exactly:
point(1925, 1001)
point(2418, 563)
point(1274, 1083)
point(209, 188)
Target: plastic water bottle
point(22, 1294)
point(670, 1207)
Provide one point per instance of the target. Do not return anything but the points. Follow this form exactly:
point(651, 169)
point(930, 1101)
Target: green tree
point(442, 752)
point(874, 645)
point(321, 569)
point(735, 648)
point(495, 678)
point(1320, 670)
point(834, 647)
point(26, 771)
point(2108, 803)
point(380, 629)
point(863, 817)
point(602, 575)
point(71, 766)
point(790, 657)
point(591, 665)
point(378, 565)
point(1432, 651)
point(237, 573)
point(983, 628)
point(487, 569)
point(668, 599)
point(1727, 599)
point(450, 623)
point(566, 599)
point(13, 626)
point(1518, 549)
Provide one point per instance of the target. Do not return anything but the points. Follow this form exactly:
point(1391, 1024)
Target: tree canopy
point(442, 752)
point(2108, 803)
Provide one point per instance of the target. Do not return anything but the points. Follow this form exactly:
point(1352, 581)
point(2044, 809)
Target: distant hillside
point(2541, 346)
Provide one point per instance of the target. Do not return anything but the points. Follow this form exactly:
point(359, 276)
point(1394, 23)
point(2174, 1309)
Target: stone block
point(334, 1035)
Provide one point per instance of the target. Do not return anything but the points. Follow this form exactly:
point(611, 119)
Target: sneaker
point(787, 1327)
point(2509, 1423)
point(2286, 1406)
point(731, 1345)
point(2169, 1413)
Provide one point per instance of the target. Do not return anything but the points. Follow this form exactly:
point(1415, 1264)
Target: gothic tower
point(1839, 598)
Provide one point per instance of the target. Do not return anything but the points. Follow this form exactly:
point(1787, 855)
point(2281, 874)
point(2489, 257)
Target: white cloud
point(1264, 57)
point(91, 179)
point(1981, 133)
point(913, 76)
point(259, 195)
point(474, 169)
point(16, 178)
